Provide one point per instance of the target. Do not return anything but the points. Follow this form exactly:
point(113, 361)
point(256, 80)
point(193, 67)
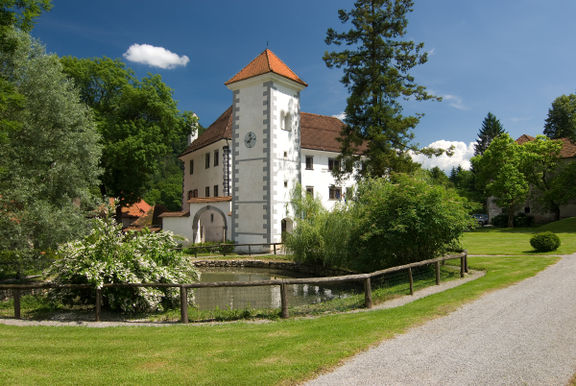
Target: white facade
point(251, 201)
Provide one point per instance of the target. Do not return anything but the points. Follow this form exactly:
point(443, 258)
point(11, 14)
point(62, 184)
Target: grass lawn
point(506, 241)
point(238, 353)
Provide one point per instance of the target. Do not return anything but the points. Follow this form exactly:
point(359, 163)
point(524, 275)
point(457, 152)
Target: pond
point(261, 296)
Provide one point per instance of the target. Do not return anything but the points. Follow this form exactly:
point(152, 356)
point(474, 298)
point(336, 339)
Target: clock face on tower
point(250, 139)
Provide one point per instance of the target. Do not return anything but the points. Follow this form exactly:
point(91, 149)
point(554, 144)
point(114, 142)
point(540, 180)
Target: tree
point(491, 128)
point(376, 65)
point(21, 13)
point(139, 122)
point(49, 157)
point(561, 120)
point(551, 180)
point(500, 171)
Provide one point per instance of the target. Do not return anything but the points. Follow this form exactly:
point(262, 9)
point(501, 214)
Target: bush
point(500, 221)
point(210, 247)
point(521, 220)
point(545, 242)
point(107, 255)
point(387, 223)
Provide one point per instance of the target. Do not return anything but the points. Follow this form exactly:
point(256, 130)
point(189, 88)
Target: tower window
point(207, 191)
point(285, 183)
point(191, 166)
point(216, 157)
point(310, 190)
point(207, 160)
point(215, 190)
point(195, 193)
point(309, 162)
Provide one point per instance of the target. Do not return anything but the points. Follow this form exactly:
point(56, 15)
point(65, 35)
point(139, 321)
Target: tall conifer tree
point(491, 128)
point(376, 62)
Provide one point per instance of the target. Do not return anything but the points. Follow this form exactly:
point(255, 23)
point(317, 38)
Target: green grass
point(284, 351)
point(516, 241)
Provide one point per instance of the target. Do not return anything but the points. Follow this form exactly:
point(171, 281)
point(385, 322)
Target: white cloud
point(341, 116)
point(454, 101)
point(155, 56)
point(462, 154)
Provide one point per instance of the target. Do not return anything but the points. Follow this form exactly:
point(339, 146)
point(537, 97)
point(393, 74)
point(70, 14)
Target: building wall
point(320, 178)
point(202, 176)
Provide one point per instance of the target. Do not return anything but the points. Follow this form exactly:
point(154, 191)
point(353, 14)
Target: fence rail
point(364, 278)
point(222, 247)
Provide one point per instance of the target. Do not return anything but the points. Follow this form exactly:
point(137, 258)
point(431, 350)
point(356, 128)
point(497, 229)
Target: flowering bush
point(107, 255)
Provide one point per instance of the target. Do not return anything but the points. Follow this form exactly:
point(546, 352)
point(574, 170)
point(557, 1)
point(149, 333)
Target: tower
point(265, 147)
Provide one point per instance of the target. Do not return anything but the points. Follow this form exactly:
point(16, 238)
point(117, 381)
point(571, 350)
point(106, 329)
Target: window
point(333, 164)
point(191, 166)
point(190, 194)
point(215, 190)
point(207, 160)
point(285, 183)
point(285, 154)
point(207, 191)
point(310, 190)
point(286, 121)
point(309, 162)
point(195, 193)
point(334, 192)
point(216, 157)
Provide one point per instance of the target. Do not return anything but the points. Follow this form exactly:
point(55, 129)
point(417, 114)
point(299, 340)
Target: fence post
point(367, 293)
point(274, 248)
point(284, 300)
point(249, 250)
point(98, 303)
point(16, 294)
point(462, 266)
point(183, 304)
point(195, 252)
point(411, 279)
point(437, 273)
point(466, 262)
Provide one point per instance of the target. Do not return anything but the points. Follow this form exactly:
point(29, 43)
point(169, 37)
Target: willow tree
point(376, 60)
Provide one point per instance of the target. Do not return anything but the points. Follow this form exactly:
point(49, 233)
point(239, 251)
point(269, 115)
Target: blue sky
point(508, 57)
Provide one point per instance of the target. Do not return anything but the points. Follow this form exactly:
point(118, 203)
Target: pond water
point(262, 296)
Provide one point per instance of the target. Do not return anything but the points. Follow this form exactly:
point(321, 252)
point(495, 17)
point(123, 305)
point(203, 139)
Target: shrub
point(500, 221)
point(545, 242)
point(522, 220)
point(107, 255)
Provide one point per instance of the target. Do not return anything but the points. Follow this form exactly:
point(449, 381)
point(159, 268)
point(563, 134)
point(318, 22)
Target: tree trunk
point(510, 218)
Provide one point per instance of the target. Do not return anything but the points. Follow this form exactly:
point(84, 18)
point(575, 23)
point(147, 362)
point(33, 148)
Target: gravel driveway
point(523, 334)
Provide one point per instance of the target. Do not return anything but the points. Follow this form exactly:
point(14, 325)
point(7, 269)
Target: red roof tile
point(264, 63)
point(319, 132)
point(220, 129)
point(175, 214)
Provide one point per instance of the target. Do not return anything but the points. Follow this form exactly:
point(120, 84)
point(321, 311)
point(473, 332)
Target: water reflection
point(260, 297)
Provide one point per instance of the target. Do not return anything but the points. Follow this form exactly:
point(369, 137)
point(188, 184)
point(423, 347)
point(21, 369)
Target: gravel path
point(523, 334)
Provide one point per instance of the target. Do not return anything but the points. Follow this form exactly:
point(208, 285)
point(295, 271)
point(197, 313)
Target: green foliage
point(140, 126)
point(211, 247)
point(107, 255)
point(387, 223)
point(403, 221)
point(464, 182)
point(376, 62)
point(521, 220)
point(491, 128)
point(21, 13)
point(561, 120)
point(500, 171)
point(545, 242)
point(48, 156)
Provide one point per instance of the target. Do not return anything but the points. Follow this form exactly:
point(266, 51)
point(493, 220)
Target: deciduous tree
point(376, 61)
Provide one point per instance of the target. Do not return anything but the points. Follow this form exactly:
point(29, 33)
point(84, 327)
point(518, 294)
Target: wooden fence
point(364, 278)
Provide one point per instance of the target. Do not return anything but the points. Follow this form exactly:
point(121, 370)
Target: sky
point(508, 57)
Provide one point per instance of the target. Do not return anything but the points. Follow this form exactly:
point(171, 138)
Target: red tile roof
point(264, 63)
point(568, 149)
point(175, 214)
point(139, 209)
point(319, 132)
point(220, 129)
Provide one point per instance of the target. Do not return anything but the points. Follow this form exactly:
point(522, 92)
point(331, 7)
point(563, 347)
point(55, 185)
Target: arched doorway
point(287, 227)
point(209, 224)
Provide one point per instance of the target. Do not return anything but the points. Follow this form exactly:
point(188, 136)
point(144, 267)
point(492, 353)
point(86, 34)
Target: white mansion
point(239, 174)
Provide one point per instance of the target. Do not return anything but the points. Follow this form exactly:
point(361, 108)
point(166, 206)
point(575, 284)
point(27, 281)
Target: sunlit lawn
point(504, 241)
point(237, 353)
